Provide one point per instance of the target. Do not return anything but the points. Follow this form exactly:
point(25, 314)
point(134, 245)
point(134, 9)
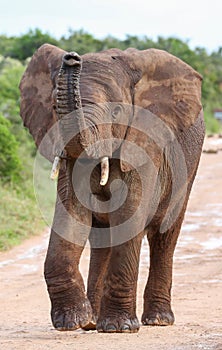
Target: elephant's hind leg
point(118, 305)
point(157, 294)
point(99, 260)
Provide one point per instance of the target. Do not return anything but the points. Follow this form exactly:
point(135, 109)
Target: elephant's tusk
point(55, 168)
point(104, 171)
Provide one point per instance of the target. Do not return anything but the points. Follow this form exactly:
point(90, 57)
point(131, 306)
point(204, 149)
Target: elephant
point(124, 131)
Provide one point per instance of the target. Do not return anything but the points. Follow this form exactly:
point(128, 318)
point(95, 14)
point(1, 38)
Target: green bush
point(212, 125)
point(20, 217)
point(10, 164)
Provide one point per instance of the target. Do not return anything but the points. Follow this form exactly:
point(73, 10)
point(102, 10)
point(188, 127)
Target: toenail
point(70, 325)
point(153, 321)
point(110, 328)
point(58, 325)
point(125, 327)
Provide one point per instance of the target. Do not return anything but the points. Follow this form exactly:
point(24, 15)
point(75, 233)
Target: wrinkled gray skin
point(150, 79)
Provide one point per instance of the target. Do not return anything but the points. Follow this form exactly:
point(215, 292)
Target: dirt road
point(197, 287)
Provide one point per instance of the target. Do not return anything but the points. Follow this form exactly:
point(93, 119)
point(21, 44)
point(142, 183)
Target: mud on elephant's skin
point(140, 113)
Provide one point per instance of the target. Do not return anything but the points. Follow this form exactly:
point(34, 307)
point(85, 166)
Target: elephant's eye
point(116, 112)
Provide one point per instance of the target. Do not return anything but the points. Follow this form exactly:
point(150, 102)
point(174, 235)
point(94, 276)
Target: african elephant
point(127, 134)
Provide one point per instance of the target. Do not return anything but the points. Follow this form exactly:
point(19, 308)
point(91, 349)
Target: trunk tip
point(72, 59)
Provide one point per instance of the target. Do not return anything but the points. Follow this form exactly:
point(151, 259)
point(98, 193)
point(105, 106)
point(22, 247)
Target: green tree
point(6, 45)
point(10, 164)
point(27, 44)
point(11, 71)
point(81, 42)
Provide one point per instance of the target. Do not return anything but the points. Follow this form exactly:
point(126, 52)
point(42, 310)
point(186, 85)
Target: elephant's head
point(106, 98)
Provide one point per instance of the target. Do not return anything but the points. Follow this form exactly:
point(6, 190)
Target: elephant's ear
point(167, 101)
point(37, 85)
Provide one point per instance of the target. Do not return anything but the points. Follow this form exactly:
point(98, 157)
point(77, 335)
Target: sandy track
point(197, 287)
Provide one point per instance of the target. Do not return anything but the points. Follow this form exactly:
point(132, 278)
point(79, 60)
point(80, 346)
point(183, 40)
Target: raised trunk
point(69, 108)
point(76, 135)
point(68, 97)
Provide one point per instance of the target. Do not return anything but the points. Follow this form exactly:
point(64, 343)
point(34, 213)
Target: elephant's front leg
point(118, 305)
point(70, 306)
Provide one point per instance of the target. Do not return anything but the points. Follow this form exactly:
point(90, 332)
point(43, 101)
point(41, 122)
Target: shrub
point(10, 164)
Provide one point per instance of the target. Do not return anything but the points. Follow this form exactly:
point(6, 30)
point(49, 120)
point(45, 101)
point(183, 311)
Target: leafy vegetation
point(10, 164)
point(19, 214)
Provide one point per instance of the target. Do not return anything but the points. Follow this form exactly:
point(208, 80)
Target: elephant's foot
point(74, 316)
point(118, 324)
point(91, 326)
point(158, 316)
point(95, 301)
